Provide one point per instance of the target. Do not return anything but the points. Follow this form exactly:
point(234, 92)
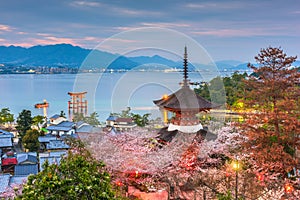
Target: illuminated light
point(165, 96)
point(236, 165)
point(288, 188)
point(119, 183)
point(136, 173)
point(260, 177)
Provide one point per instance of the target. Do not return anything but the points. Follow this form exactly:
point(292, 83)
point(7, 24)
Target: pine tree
point(272, 126)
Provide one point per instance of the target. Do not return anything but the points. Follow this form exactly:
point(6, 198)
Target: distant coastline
point(71, 70)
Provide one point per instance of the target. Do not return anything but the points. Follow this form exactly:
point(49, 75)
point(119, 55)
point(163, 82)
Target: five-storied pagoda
point(185, 104)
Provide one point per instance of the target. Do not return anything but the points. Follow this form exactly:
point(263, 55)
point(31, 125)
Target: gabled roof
point(26, 157)
point(62, 126)
point(80, 124)
point(26, 169)
point(5, 142)
point(112, 118)
point(4, 181)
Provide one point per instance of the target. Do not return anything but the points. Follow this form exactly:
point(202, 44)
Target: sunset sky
point(226, 29)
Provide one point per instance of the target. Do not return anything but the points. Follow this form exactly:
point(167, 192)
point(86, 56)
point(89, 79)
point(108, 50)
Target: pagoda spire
point(185, 68)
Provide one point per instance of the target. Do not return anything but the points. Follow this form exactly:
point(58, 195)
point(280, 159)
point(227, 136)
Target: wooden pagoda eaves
point(185, 99)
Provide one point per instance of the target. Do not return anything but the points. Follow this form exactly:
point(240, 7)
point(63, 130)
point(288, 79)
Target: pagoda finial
point(185, 68)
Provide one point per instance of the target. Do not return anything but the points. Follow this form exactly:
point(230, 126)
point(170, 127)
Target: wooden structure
point(185, 104)
point(43, 105)
point(77, 104)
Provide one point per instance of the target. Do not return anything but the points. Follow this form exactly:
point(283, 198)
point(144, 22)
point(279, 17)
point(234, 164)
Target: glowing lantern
point(165, 96)
point(288, 188)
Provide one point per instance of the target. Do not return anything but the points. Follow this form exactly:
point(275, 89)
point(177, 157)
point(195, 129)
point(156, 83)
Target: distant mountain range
point(74, 56)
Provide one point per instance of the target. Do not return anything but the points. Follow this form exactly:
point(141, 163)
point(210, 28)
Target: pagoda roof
point(184, 99)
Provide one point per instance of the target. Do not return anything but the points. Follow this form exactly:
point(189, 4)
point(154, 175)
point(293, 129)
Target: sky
point(227, 29)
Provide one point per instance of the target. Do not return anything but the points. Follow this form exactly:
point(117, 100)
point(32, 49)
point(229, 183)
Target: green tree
point(24, 122)
point(234, 87)
point(30, 140)
point(203, 91)
point(62, 114)
point(6, 116)
point(141, 120)
point(126, 113)
point(78, 117)
point(214, 90)
point(38, 120)
point(78, 176)
point(92, 119)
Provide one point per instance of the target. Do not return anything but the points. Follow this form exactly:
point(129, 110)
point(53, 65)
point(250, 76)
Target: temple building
point(184, 104)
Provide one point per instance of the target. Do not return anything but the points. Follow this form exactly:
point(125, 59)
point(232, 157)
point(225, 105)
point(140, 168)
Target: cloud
point(296, 12)
point(165, 25)
point(198, 5)
point(246, 32)
point(153, 24)
point(86, 4)
point(218, 5)
point(5, 28)
point(135, 12)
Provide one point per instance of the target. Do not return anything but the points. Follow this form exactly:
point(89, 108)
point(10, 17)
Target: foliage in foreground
point(78, 176)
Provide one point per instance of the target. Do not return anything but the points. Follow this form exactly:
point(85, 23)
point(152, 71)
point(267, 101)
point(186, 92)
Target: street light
point(236, 167)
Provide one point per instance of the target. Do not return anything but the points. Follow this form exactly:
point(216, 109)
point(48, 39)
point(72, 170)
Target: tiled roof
point(66, 124)
point(184, 99)
point(112, 118)
point(88, 129)
point(26, 169)
point(5, 142)
point(4, 181)
point(62, 126)
point(85, 129)
point(123, 119)
point(9, 161)
point(58, 128)
point(5, 133)
point(46, 138)
point(80, 123)
point(63, 136)
point(57, 144)
point(55, 116)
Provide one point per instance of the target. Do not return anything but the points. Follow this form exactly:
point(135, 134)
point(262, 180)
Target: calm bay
point(107, 92)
